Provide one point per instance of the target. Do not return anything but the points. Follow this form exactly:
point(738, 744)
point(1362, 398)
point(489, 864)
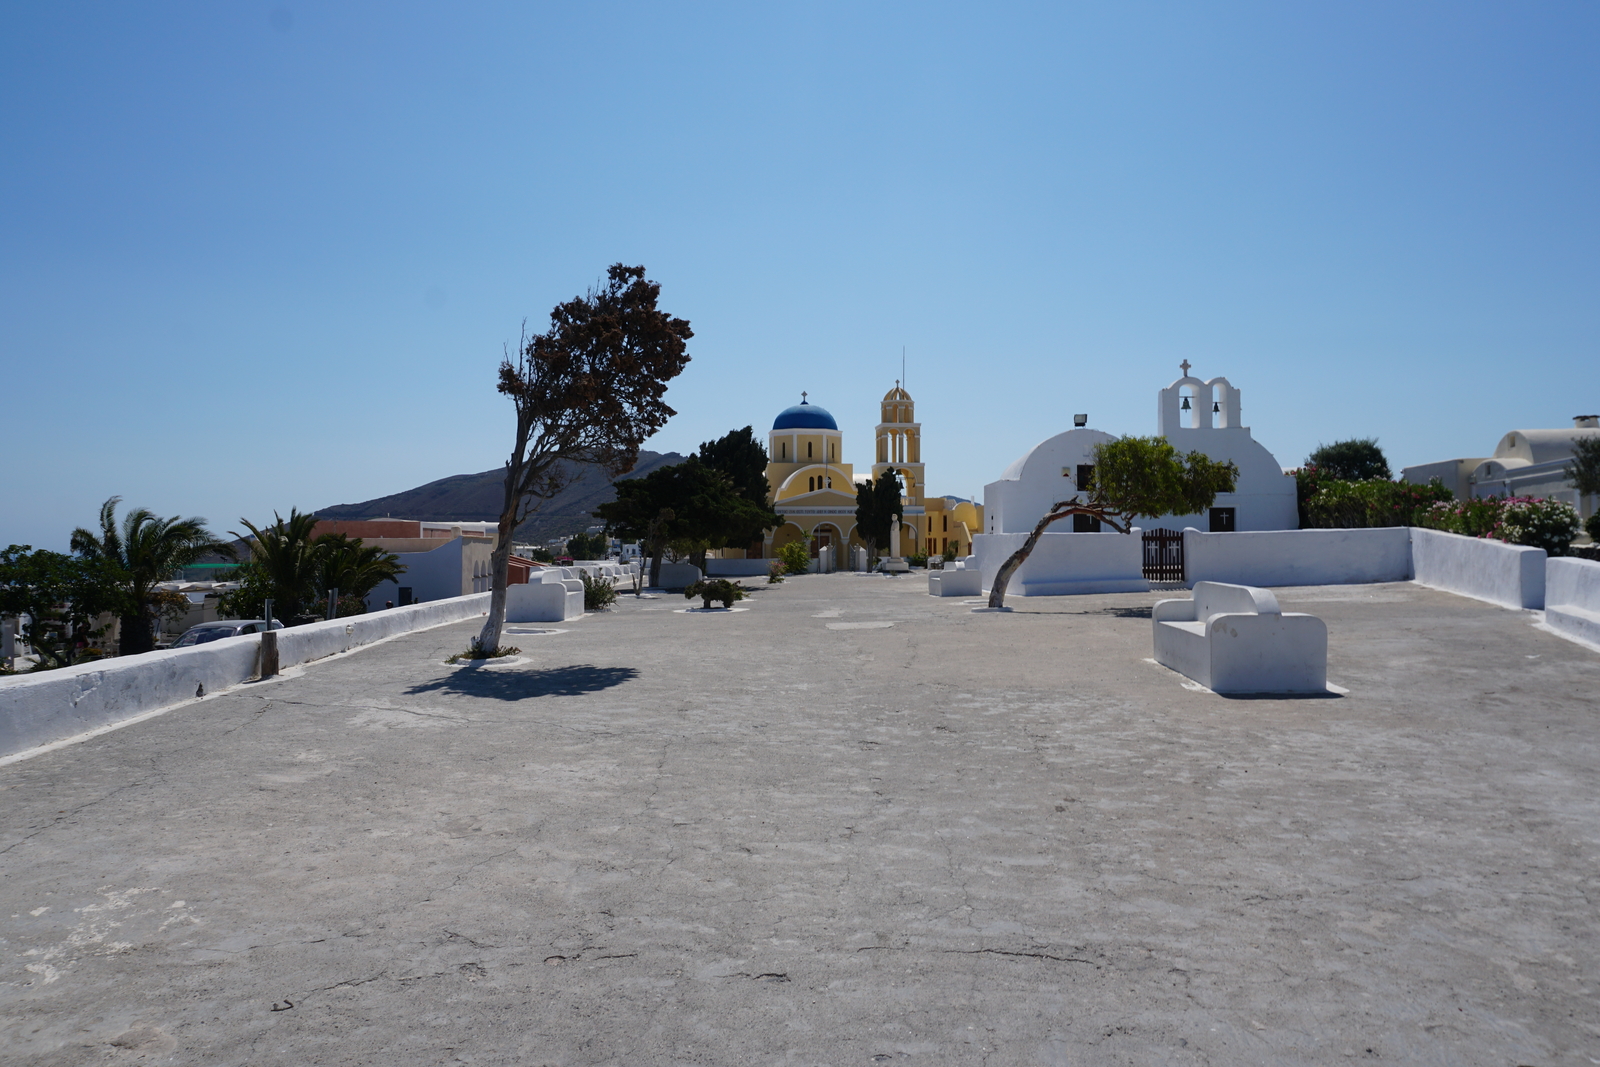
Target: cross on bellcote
point(802, 396)
point(1185, 366)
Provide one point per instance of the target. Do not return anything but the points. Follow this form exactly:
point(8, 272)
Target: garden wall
point(1298, 557)
point(37, 709)
point(1066, 563)
point(1572, 598)
point(1509, 575)
point(738, 568)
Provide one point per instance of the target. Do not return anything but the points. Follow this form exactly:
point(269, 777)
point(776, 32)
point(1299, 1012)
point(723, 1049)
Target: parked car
point(216, 631)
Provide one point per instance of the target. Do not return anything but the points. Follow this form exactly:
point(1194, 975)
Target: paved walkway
point(850, 825)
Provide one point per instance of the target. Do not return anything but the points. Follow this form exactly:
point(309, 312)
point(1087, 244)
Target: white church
point(1194, 416)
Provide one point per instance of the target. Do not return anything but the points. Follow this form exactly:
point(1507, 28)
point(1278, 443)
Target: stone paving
point(851, 825)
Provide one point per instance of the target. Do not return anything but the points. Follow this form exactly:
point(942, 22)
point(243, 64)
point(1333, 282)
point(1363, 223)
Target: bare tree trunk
point(655, 569)
point(500, 561)
point(1058, 511)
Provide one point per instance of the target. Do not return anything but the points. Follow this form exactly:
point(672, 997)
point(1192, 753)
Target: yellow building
point(810, 487)
point(815, 492)
point(931, 523)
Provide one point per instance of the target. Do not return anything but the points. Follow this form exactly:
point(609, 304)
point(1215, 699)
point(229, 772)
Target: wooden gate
point(1163, 555)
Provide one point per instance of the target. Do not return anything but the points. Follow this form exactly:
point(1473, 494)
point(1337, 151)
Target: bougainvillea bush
point(1520, 520)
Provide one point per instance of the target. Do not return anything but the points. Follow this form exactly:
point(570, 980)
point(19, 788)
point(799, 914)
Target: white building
point(1194, 416)
point(1525, 463)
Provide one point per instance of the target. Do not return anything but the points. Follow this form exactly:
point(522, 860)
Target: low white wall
point(1298, 557)
point(1572, 598)
point(676, 577)
point(36, 709)
point(1509, 575)
point(738, 568)
point(1066, 563)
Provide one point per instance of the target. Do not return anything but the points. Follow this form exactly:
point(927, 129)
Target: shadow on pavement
point(502, 683)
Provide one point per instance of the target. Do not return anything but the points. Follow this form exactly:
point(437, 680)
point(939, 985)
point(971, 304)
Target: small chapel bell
point(1216, 408)
point(1185, 405)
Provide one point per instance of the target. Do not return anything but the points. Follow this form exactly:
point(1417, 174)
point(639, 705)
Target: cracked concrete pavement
point(762, 837)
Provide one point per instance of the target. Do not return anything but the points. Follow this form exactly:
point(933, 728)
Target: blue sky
point(255, 256)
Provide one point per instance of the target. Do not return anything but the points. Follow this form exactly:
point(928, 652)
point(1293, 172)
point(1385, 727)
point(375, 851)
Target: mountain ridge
point(477, 497)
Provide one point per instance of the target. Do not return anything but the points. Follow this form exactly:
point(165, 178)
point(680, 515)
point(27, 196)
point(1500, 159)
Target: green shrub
point(951, 551)
point(709, 589)
point(775, 575)
point(477, 651)
point(796, 557)
point(1592, 526)
point(918, 559)
point(1334, 504)
point(598, 593)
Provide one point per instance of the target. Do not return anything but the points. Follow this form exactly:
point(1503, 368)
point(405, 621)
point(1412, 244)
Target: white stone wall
point(1509, 575)
point(1065, 563)
point(1298, 557)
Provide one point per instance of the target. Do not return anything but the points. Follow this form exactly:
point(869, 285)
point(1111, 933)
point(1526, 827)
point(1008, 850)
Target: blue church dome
point(804, 416)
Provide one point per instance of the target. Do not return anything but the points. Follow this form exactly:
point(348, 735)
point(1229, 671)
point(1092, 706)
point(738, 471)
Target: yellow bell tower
point(900, 444)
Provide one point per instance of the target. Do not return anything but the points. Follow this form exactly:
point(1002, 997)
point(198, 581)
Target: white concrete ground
point(853, 824)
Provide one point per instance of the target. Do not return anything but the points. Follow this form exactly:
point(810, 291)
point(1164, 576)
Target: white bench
point(548, 596)
point(1572, 598)
point(1234, 639)
point(957, 579)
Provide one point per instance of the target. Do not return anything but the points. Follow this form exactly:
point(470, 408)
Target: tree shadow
point(1115, 613)
point(511, 683)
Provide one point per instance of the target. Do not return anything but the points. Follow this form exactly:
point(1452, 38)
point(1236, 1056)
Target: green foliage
point(598, 593)
point(540, 555)
point(1547, 524)
point(795, 557)
point(879, 505)
point(1591, 526)
point(355, 569)
point(588, 546)
point(1144, 477)
point(61, 595)
point(688, 503)
point(709, 589)
point(776, 573)
point(1336, 504)
point(1355, 460)
point(298, 571)
point(917, 559)
point(951, 551)
point(743, 459)
point(142, 552)
point(1585, 465)
point(476, 651)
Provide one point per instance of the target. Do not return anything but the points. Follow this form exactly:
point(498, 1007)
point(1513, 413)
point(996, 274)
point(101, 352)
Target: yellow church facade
point(815, 491)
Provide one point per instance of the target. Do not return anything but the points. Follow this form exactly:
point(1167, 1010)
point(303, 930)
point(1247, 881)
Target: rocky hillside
point(476, 498)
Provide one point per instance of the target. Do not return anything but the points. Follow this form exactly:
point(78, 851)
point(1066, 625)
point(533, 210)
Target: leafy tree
point(143, 552)
point(743, 459)
point(1585, 465)
point(795, 558)
point(1355, 460)
point(61, 596)
point(588, 390)
point(879, 505)
point(1133, 477)
point(352, 567)
point(588, 546)
point(706, 511)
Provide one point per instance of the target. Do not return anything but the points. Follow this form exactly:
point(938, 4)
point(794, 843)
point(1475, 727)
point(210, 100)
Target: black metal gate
point(1163, 555)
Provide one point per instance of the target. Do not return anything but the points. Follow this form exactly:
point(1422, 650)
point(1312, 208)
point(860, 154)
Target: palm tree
point(290, 561)
point(353, 568)
point(144, 551)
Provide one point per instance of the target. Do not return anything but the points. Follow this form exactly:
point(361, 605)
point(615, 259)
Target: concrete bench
point(1234, 639)
point(1572, 598)
point(955, 580)
point(548, 597)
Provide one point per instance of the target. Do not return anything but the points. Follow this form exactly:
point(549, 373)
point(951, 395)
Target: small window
point(811, 485)
point(1223, 520)
point(1085, 524)
point(783, 450)
point(945, 519)
point(1085, 475)
point(808, 449)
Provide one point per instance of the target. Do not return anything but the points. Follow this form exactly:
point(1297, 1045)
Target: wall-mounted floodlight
point(1080, 420)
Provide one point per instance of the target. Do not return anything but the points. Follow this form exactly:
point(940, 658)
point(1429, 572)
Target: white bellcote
point(1192, 404)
